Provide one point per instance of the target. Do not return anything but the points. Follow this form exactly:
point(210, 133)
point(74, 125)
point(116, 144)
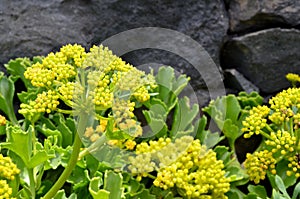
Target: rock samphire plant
point(86, 124)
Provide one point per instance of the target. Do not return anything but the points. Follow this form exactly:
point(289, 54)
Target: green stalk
point(72, 161)
point(265, 135)
point(93, 147)
point(32, 183)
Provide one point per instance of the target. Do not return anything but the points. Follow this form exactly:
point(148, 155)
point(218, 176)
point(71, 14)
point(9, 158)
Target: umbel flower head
point(5, 190)
point(8, 171)
point(279, 126)
point(293, 78)
point(86, 81)
point(184, 164)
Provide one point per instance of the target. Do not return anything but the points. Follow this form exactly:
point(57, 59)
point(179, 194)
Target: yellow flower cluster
point(123, 115)
point(70, 91)
point(8, 171)
point(8, 168)
point(73, 54)
point(283, 104)
point(104, 60)
point(46, 101)
point(283, 107)
point(92, 134)
point(294, 166)
point(258, 164)
point(184, 164)
point(2, 120)
point(279, 125)
point(137, 83)
point(155, 154)
point(100, 90)
point(5, 190)
point(127, 144)
point(56, 67)
point(256, 121)
point(293, 78)
point(66, 76)
point(282, 141)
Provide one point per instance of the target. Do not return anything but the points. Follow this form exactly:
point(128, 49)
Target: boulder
point(30, 28)
point(264, 57)
point(250, 15)
point(236, 81)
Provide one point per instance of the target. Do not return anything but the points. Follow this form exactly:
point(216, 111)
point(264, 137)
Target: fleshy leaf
point(225, 111)
point(20, 142)
point(280, 185)
point(156, 123)
point(296, 192)
point(17, 67)
point(79, 178)
point(7, 91)
point(169, 87)
point(66, 133)
point(164, 79)
point(183, 116)
point(206, 137)
point(258, 190)
point(94, 190)
point(113, 184)
point(62, 195)
point(249, 100)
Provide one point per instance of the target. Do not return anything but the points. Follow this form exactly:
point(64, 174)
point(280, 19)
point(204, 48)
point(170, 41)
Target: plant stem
point(72, 161)
point(93, 147)
point(266, 135)
point(31, 182)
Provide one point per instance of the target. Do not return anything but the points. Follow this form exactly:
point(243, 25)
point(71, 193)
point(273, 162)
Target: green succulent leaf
point(112, 187)
point(183, 117)
point(296, 192)
point(281, 169)
point(249, 99)
point(59, 155)
point(79, 178)
point(164, 79)
point(169, 87)
point(7, 91)
point(62, 195)
point(21, 143)
point(156, 123)
point(235, 193)
point(66, 132)
point(17, 67)
point(113, 184)
point(258, 190)
point(225, 111)
point(280, 185)
point(95, 191)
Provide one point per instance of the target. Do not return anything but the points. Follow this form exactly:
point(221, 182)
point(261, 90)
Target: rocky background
point(255, 42)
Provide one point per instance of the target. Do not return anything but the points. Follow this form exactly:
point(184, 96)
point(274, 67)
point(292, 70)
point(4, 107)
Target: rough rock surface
point(237, 81)
point(265, 57)
point(250, 15)
point(37, 27)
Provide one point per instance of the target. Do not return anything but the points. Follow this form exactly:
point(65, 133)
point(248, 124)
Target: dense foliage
point(90, 125)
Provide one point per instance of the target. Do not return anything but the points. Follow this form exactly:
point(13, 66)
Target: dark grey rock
point(237, 81)
point(37, 27)
point(250, 15)
point(264, 57)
